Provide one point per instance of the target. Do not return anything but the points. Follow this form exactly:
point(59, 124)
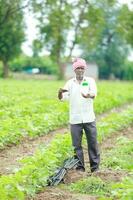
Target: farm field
point(30, 109)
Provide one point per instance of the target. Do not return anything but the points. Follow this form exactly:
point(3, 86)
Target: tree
point(125, 24)
point(128, 71)
point(111, 50)
point(54, 20)
point(57, 19)
point(94, 26)
point(12, 31)
point(36, 47)
point(110, 58)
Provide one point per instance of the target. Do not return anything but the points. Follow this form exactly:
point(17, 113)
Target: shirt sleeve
point(93, 87)
point(66, 94)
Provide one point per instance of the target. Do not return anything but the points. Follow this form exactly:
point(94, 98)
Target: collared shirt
point(81, 109)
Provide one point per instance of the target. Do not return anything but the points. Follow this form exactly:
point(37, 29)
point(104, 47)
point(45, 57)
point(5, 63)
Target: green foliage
point(29, 117)
point(98, 28)
point(92, 185)
point(111, 49)
point(125, 22)
point(119, 157)
point(128, 71)
point(107, 127)
point(29, 108)
point(43, 63)
point(36, 47)
point(1, 69)
point(113, 94)
point(58, 19)
point(110, 58)
point(12, 33)
point(55, 26)
point(104, 190)
point(122, 155)
point(33, 175)
point(91, 30)
point(124, 189)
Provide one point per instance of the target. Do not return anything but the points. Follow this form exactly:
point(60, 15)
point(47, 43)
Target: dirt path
point(11, 154)
point(58, 193)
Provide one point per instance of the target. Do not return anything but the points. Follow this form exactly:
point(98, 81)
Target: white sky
point(31, 31)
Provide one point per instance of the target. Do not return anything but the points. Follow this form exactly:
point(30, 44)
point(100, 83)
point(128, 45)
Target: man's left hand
point(88, 96)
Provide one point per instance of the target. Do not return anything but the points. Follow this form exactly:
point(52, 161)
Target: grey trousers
point(91, 136)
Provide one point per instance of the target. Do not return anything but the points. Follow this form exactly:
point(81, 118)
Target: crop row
point(31, 108)
point(117, 160)
point(32, 177)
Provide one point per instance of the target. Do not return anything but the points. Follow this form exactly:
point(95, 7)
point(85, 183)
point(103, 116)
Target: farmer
point(81, 91)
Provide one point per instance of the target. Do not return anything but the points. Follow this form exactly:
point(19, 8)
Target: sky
point(31, 32)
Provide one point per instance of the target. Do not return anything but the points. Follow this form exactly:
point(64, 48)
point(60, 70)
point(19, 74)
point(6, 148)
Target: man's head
point(79, 66)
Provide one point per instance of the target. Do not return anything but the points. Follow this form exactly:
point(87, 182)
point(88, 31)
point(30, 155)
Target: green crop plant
point(31, 108)
point(36, 169)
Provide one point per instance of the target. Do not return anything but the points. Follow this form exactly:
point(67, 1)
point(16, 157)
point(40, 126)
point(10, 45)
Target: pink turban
point(79, 62)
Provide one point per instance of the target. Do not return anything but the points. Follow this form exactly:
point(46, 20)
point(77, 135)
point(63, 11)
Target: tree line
point(101, 29)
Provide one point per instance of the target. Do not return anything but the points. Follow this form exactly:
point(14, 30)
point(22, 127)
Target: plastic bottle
point(85, 88)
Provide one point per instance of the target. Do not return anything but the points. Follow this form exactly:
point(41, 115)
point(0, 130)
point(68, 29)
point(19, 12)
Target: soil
point(11, 155)
point(59, 194)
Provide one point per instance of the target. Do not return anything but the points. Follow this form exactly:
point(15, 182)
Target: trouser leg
point(93, 152)
point(76, 135)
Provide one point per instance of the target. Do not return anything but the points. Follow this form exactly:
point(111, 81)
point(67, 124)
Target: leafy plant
point(91, 185)
point(29, 108)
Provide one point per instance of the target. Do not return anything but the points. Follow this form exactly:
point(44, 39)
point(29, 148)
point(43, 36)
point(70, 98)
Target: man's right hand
point(60, 96)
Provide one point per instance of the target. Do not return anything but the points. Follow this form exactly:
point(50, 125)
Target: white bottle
point(85, 88)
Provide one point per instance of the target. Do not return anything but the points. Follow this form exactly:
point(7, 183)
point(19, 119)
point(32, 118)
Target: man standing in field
point(81, 91)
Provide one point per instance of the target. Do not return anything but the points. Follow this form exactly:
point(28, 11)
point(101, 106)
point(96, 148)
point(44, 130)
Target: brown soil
point(10, 156)
point(59, 194)
point(110, 141)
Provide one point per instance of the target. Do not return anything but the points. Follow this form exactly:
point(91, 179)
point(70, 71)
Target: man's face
point(79, 71)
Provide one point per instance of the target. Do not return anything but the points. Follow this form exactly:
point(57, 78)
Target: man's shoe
point(81, 169)
point(94, 170)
